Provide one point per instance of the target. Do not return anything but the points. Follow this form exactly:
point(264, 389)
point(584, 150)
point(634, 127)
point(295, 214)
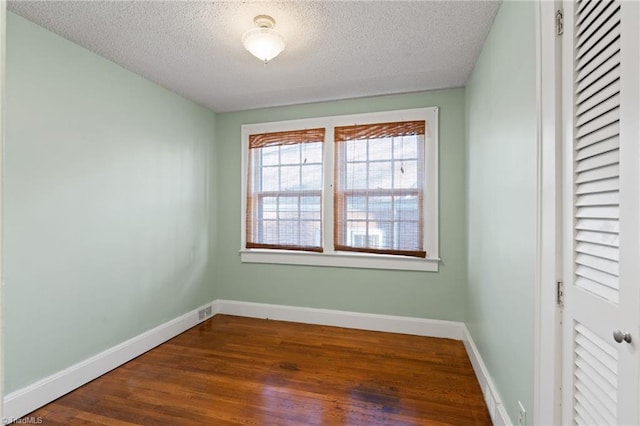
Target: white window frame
point(329, 257)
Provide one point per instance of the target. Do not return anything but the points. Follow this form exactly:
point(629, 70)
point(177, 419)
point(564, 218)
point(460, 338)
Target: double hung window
point(351, 191)
point(284, 192)
point(379, 192)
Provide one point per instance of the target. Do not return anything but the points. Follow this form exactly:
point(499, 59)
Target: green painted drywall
point(417, 294)
point(501, 138)
point(106, 204)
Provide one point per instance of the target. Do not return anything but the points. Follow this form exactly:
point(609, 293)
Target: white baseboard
point(498, 413)
point(27, 399)
point(346, 319)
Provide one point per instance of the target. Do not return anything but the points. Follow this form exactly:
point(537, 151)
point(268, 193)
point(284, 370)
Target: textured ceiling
point(336, 50)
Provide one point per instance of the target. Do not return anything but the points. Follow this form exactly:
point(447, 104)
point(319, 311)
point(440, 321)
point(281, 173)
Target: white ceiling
point(336, 50)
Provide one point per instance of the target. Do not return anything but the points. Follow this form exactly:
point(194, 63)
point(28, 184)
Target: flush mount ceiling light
point(264, 42)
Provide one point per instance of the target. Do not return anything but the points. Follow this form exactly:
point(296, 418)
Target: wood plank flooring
point(233, 370)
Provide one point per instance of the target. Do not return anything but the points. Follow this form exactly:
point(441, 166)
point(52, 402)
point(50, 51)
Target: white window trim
point(349, 259)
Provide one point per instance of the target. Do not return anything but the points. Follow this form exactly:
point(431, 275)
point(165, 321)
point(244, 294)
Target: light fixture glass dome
point(264, 42)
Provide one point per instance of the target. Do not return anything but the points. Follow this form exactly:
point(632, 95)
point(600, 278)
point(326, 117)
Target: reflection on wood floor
point(234, 370)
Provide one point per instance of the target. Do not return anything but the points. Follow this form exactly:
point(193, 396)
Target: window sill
point(340, 260)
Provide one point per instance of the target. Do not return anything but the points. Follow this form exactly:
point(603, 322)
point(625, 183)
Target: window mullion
point(327, 193)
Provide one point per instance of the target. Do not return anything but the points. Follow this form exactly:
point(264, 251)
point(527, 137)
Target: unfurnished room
point(320, 212)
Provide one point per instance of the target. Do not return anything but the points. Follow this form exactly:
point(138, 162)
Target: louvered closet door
point(601, 237)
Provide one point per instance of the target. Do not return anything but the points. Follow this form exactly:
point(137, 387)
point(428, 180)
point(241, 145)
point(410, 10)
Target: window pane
point(310, 233)
point(270, 207)
point(290, 154)
point(288, 208)
point(312, 153)
point(380, 208)
point(290, 178)
point(270, 155)
point(408, 235)
point(405, 174)
point(407, 208)
point(382, 235)
point(356, 208)
point(356, 150)
point(312, 177)
point(380, 149)
point(380, 175)
point(310, 208)
point(405, 147)
point(270, 179)
point(269, 232)
point(356, 176)
point(288, 232)
point(356, 234)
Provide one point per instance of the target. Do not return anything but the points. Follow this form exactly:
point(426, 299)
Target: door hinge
point(559, 293)
point(559, 22)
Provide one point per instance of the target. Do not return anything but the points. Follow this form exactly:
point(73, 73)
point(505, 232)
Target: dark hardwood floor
point(234, 370)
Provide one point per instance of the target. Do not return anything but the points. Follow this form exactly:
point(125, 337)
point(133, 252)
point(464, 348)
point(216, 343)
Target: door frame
point(3, 38)
point(547, 313)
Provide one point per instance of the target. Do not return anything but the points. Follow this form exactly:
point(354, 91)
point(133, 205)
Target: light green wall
point(122, 208)
point(418, 294)
point(501, 126)
point(106, 204)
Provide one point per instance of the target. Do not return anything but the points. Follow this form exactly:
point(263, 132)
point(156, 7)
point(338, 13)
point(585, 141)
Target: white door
point(601, 321)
